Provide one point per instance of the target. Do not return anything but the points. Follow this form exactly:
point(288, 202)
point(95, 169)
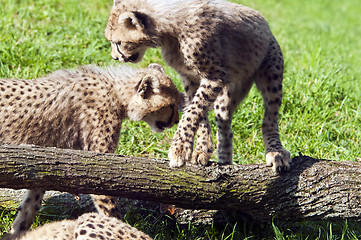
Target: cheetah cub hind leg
point(268, 80)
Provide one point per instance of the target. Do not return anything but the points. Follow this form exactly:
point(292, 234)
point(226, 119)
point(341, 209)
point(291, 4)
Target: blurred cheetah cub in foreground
point(220, 49)
point(88, 226)
point(82, 109)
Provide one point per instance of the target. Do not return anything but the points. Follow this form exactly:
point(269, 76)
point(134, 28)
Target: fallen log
point(312, 190)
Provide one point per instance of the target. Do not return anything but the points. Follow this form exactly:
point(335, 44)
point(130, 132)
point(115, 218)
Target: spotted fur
point(219, 49)
point(87, 227)
point(82, 109)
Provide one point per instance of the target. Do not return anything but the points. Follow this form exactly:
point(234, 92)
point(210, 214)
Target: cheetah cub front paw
point(179, 153)
point(200, 157)
point(202, 153)
point(279, 160)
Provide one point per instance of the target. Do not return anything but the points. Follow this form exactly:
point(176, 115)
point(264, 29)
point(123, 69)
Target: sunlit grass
point(320, 114)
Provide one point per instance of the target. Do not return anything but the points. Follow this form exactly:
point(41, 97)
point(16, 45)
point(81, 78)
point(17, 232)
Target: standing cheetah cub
point(86, 227)
point(82, 109)
point(219, 49)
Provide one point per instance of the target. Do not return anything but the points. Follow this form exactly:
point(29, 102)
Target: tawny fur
point(86, 227)
point(219, 49)
point(82, 109)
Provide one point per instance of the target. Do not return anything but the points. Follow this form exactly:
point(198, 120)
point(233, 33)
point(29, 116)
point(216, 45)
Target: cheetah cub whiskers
point(219, 49)
point(83, 109)
point(88, 226)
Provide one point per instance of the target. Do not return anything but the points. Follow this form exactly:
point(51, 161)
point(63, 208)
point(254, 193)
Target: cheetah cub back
point(87, 226)
point(82, 109)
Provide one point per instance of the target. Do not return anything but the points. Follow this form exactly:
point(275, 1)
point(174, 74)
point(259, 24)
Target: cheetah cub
point(86, 227)
point(83, 109)
point(219, 49)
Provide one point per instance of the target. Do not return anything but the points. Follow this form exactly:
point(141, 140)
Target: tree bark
point(312, 190)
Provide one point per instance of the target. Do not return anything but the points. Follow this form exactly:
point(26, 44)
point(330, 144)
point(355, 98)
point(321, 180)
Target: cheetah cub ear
point(148, 86)
point(116, 2)
point(132, 21)
point(156, 66)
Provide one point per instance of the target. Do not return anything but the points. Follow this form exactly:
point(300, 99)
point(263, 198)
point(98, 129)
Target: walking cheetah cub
point(86, 227)
point(219, 49)
point(82, 109)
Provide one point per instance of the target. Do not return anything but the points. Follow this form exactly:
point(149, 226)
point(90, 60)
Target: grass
point(320, 115)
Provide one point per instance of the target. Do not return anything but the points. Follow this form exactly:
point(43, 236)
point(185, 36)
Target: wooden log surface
point(312, 190)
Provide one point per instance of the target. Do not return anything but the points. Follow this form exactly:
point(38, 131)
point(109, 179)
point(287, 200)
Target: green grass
point(320, 115)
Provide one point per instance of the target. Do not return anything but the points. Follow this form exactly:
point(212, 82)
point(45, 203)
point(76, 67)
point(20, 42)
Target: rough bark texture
point(313, 189)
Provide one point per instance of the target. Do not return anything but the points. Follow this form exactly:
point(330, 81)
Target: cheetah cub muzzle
point(83, 109)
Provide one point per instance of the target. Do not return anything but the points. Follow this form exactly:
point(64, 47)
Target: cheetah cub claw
point(279, 160)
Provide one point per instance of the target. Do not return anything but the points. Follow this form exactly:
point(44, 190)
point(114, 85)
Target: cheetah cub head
point(130, 33)
point(156, 99)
